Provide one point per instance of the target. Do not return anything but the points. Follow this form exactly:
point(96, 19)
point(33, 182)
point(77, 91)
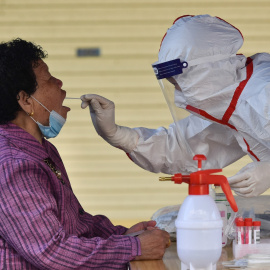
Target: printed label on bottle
point(257, 236)
point(248, 235)
point(239, 238)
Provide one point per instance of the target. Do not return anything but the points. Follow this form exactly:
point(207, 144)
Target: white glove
point(252, 180)
point(102, 114)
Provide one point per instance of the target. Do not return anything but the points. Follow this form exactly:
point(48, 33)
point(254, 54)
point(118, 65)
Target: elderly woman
point(42, 224)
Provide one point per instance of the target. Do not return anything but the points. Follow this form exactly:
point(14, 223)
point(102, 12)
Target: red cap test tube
point(240, 231)
point(248, 230)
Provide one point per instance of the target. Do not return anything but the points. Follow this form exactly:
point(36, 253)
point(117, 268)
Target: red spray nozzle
point(200, 158)
point(199, 182)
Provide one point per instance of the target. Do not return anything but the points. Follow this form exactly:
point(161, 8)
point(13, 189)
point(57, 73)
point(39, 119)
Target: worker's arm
point(159, 150)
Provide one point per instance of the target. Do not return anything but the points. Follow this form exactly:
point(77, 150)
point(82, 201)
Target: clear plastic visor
point(176, 102)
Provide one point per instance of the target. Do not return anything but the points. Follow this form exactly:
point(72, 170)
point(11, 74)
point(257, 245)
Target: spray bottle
point(199, 225)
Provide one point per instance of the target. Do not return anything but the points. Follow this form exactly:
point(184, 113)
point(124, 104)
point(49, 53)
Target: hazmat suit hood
point(209, 46)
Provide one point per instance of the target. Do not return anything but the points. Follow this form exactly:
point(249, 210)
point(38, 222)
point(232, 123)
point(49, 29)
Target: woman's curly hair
point(17, 60)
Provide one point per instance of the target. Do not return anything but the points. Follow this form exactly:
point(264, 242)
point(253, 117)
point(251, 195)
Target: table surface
point(171, 261)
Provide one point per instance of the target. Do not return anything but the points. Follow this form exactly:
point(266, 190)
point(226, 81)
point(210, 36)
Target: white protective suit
point(231, 95)
point(228, 96)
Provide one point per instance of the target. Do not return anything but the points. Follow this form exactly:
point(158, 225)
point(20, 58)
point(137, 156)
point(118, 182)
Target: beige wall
point(128, 33)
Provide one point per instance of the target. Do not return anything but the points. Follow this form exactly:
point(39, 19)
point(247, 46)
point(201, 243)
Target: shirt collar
point(24, 140)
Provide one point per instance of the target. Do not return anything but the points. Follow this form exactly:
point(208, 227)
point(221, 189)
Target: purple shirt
point(42, 224)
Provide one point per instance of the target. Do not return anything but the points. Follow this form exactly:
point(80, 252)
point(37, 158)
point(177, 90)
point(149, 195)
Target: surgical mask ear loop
point(40, 103)
point(32, 113)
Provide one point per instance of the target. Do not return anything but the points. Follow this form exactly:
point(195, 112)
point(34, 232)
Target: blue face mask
point(56, 123)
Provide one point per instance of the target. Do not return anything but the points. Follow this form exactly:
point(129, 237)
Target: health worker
point(228, 95)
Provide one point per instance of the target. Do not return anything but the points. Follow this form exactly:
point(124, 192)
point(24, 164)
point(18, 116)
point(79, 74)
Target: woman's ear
point(25, 101)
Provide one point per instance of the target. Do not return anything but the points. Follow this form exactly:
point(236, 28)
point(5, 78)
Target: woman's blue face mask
point(56, 122)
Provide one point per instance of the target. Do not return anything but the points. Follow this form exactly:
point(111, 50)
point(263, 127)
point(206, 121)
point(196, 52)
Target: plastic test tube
point(240, 231)
point(248, 230)
point(256, 232)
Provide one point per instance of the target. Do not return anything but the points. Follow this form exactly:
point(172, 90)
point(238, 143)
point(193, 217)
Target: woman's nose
point(59, 83)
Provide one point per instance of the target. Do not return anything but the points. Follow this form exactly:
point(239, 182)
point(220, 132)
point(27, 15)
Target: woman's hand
point(145, 225)
point(153, 244)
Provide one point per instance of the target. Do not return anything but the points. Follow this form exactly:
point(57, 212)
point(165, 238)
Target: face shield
point(166, 73)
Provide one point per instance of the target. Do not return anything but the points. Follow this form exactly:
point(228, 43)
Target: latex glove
point(252, 180)
point(102, 113)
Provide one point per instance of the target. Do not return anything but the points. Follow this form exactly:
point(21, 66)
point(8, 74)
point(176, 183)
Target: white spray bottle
point(199, 225)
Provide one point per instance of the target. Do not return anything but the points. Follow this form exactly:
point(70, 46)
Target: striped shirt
point(42, 224)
